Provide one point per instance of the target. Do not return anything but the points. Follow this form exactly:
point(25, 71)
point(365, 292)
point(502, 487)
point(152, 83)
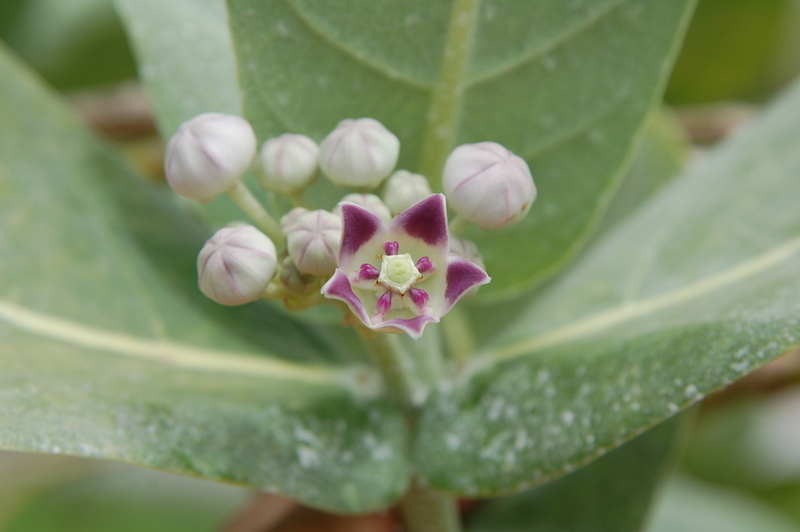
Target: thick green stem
point(458, 334)
point(249, 204)
point(445, 104)
point(426, 510)
point(397, 375)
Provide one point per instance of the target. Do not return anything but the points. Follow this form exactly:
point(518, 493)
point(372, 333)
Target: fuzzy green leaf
point(565, 85)
point(698, 288)
point(109, 351)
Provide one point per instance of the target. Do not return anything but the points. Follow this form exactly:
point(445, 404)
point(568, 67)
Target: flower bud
point(359, 153)
point(287, 163)
point(371, 202)
point(405, 189)
point(313, 242)
point(488, 185)
point(295, 282)
point(288, 220)
point(208, 154)
point(236, 265)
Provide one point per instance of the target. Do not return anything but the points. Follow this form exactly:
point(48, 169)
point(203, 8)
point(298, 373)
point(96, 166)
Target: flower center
point(398, 273)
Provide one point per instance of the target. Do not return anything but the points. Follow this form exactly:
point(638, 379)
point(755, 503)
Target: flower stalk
point(242, 196)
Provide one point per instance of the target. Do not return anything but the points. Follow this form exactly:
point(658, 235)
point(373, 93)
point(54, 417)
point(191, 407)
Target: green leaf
point(185, 57)
point(612, 494)
point(565, 85)
point(660, 156)
point(109, 352)
point(690, 506)
point(72, 44)
point(698, 288)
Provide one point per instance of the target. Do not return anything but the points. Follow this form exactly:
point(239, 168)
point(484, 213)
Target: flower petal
point(360, 226)
point(338, 287)
point(414, 327)
point(426, 221)
point(461, 276)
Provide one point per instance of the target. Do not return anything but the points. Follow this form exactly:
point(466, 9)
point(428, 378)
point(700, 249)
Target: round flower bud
point(236, 265)
point(313, 242)
point(287, 163)
point(288, 219)
point(488, 185)
point(358, 153)
point(208, 154)
point(405, 189)
point(371, 202)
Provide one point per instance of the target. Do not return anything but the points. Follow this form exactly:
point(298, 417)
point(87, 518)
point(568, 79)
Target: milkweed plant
point(411, 255)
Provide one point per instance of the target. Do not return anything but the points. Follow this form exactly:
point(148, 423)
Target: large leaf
point(611, 494)
point(185, 57)
point(108, 351)
point(566, 85)
point(696, 289)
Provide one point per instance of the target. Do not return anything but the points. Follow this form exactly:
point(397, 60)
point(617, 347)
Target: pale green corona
point(398, 273)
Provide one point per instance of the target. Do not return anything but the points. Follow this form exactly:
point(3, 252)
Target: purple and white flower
point(400, 277)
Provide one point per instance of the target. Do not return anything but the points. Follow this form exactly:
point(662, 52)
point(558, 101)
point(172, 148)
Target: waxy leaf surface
point(696, 289)
point(566, 85)
point(108, 350)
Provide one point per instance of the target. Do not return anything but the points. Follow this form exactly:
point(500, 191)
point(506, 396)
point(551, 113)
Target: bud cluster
point(484, 183)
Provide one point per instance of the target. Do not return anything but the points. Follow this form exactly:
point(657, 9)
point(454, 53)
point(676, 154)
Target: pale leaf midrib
point(628, 311)
point(169, 353)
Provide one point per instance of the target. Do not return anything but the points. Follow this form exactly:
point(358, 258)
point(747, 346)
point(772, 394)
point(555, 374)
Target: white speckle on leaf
point(495, 409)
point(549, 63)
point(381, 452)
point(567, 417)
point(281, 29)
point(453, 441)
point(673, 408)
point(690, 391)
point(307, 456)
point(740, 367)
point(542, 376)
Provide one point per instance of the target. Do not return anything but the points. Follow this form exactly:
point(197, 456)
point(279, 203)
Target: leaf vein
point(534, 54)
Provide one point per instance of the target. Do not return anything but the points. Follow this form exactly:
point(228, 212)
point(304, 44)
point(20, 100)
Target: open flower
point(399, 278)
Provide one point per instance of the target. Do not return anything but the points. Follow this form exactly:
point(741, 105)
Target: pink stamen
point(391, 248)
point(384, 304)
point(419, 297)
point(424, 265)
point(368, 272)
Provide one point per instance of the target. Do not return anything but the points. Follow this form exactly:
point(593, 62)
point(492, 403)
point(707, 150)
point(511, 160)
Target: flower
point(488, 185)
point(236, 265)
point(359, 153)
point(313, 241)
point(399, 278)
point(371, 202)
point(209, 154)
point(287, 163)
point(403, 189)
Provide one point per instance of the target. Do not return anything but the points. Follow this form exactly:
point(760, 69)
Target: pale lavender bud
point(371, 202)
point(287, 163)
point(313, 242)
point(488, 185)
point(295, 282)
point(236, 265)
point(404, 189)
point(359, 153)
point(208, 154)
point(288, 219)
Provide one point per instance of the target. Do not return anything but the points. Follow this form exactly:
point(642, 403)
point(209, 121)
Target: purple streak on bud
point(419, 297)
point(391, 248)
point(384, 304)
point(424, 265)
point(368, 272)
